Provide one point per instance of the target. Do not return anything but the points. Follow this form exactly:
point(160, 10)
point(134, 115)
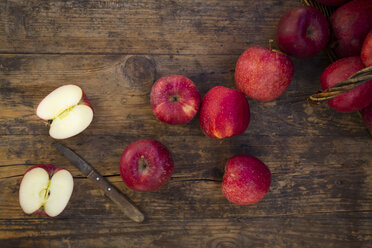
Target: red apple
point(67, 111)
point(366, 54)
point(263, 74)
point(351, 23)
point(367, 117)
point(146, 165)
point(354, 99)
point(224, 113)
point(332, 2)
point(302, 32)
point(175, 99)
point(45, 189)
point(246, 180)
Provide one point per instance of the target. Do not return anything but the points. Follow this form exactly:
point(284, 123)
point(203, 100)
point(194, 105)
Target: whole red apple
point(332, 2)
point(224, 113)
point(246, 180)
point(351, 23)
point(302, 32)
point(354, 99)
point(367, 117)
point(366, 54)
point(263, 74)
point(146, 165)
point(175, 99)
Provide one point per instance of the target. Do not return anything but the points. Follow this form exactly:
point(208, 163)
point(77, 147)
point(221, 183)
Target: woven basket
point(354, 81)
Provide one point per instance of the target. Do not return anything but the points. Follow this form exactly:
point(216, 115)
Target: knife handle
point(116, 196)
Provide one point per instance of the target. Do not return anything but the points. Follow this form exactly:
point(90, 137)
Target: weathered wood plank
point(119, 86)
point(314, 182)
point(314, 230)
point(144, 26)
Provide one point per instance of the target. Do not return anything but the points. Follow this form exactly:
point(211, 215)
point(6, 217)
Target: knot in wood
point(140, 71)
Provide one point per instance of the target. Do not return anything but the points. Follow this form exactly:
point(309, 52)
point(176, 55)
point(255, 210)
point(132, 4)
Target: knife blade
point(112, 192)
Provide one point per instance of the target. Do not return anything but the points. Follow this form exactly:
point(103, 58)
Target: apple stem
point(142, 163)
point(173, 98)
point(271, 44)
point(354, 81)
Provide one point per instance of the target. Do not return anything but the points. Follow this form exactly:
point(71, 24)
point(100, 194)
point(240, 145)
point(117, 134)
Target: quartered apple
point(45, 189)
point(67, 111)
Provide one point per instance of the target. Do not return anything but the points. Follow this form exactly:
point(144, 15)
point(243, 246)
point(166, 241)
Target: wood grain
point(137, 26)
point(320, 159)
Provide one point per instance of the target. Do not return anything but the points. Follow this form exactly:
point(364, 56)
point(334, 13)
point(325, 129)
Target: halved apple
point(67, 110)
point(45, 189)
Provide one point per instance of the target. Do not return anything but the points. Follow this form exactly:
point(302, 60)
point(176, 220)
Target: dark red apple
point(366, 54)
point(224, 113)
point(367, 117)
point(302, 32)
point(175, 99)
point(332, 2)
point(146, 165)
point(351, 23)
point(246, 180)
point(263, 74)
point(353, 100)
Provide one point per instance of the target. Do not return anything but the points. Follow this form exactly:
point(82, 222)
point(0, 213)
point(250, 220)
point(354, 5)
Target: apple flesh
point(175, 99)
point(246, 180)
point(263, 74)
point(224, 113)
point(366, 54)
point(332, 2)
point(367, 117)
point(146, 165)
point(352, 100)
point(67, 111)
point(45, 189)
point(302, 32)
point(351, 23)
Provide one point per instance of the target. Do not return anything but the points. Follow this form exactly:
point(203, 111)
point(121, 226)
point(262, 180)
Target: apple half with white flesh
point(67, 110)
point(45, 189)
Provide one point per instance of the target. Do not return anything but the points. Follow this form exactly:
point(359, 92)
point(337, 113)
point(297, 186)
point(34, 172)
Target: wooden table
point(320, 160)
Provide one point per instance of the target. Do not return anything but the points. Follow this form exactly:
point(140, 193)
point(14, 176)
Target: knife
point(113, 193)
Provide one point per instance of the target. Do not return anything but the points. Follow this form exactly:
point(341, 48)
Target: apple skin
point(262, 74)
point(367, 117)
point(51, 169)
point(85, 101)
point(332, 2)
point(353, 100)
point(175, 99)
point(351, 23)
point(302, 32)
point(146, 165)
point(224, 113)
point(246, 180)
point(366, 54)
